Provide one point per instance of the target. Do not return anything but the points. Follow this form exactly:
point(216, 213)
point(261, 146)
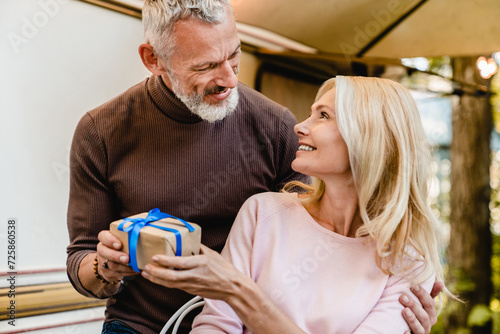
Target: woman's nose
point(301, 129)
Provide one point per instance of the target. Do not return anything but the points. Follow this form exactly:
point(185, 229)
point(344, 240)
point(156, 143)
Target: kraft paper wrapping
point(153, 241)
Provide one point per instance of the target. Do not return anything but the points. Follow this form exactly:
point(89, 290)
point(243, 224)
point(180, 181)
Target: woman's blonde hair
point(390, 164)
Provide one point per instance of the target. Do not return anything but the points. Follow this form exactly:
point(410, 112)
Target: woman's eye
point(324, 115)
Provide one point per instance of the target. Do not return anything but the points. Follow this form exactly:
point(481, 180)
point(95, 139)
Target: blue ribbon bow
point(134, 229)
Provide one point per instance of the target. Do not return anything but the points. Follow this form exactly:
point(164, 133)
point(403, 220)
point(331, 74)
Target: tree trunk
point(470, 237)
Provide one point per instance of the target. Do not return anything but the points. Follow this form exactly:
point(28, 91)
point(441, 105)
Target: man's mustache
point(215, 90)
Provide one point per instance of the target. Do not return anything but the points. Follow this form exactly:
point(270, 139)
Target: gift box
point(154, 232)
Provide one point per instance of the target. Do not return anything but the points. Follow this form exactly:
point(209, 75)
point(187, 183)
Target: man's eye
point(207, 68)
point(235, 54)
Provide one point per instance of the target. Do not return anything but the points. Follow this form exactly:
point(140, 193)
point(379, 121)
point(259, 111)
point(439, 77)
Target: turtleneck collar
point(168, 103)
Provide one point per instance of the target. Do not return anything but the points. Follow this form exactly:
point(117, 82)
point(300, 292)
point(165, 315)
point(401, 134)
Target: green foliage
point(479, 316)
point(441, 66)
point(463, 282)
point(495, 267)
point(495, 100)
point(496, 320)
point(495, 276)
point(464, 331)
point(438, 328)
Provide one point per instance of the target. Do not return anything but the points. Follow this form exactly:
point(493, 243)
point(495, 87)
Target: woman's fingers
point(437, 288)
point(207, 275)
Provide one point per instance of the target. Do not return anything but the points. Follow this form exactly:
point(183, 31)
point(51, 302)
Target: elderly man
point(189, 140)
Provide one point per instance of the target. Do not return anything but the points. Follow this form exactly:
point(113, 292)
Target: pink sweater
point(323, 281)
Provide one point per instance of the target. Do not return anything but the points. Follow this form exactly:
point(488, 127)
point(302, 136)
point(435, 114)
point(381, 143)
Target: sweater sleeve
point(386, 316)
point(217, 316)
point(91, 205)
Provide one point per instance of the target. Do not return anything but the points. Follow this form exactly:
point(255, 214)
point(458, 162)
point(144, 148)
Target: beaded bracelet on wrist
point(99, 277)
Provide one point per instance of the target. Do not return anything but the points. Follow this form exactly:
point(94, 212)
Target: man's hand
point(207, 275)
point(421, 317)
point(113, 264)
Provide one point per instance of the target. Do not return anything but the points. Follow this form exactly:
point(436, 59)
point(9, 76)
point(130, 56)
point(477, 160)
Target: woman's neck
point(338, 209)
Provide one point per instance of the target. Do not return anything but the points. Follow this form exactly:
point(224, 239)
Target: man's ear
point(151, 60)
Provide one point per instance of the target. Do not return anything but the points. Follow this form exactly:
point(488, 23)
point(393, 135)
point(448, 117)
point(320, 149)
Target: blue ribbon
point(134, 230)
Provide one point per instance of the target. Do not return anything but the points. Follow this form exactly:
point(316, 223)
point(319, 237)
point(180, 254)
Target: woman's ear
point(151, 60)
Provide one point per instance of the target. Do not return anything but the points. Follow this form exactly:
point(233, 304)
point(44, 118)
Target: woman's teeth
point(306, 148)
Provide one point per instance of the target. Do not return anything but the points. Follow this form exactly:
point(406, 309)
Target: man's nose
point(227, 75)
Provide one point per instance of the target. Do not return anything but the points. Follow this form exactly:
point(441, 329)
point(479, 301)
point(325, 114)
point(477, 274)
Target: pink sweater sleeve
point(217, 316)
point(386, 317)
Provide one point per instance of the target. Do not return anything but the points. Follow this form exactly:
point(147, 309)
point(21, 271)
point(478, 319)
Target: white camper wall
point(58, 59)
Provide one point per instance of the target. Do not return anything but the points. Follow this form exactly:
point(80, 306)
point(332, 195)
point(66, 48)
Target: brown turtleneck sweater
point(145, 150)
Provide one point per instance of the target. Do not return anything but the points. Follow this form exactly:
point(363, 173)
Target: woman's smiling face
point(322, 151)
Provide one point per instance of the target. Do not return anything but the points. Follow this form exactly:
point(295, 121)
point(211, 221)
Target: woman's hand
point(207, 275)
point(210, 276)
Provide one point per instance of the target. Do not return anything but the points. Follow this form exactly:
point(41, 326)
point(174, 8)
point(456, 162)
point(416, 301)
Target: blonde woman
point(335, 258)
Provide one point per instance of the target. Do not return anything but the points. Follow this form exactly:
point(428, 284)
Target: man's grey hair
point(160, 16)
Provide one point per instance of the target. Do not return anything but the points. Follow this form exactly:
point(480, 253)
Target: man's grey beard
point(208, 112)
